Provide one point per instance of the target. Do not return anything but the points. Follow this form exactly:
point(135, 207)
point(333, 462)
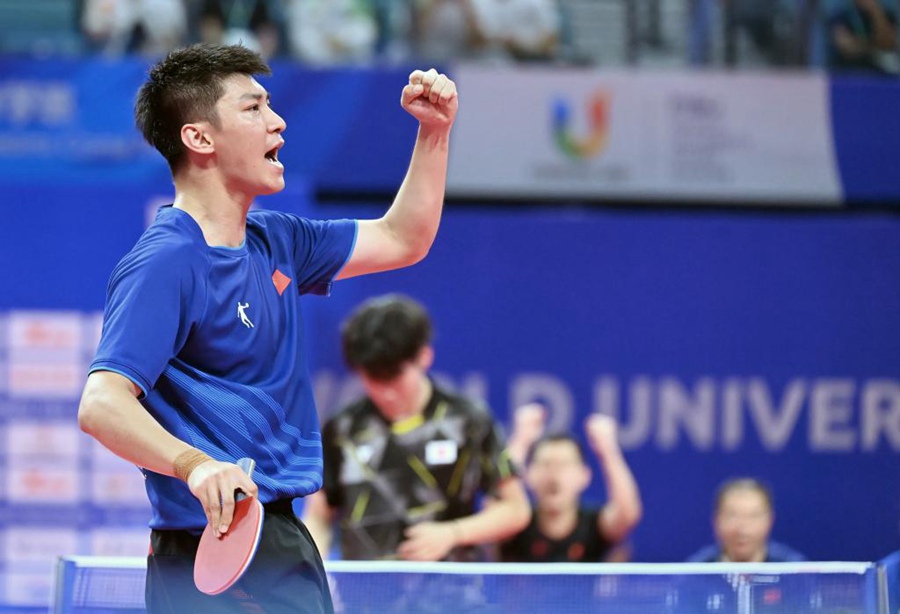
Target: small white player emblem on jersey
point(441, 452)
point(243, 315)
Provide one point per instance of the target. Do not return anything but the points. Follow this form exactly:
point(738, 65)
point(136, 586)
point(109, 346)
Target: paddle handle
point(248, 465)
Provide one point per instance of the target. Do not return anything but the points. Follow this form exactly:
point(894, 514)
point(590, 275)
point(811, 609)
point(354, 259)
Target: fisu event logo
point(594, 141)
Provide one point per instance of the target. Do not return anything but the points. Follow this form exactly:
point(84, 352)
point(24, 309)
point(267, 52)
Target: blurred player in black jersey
point(406, 464)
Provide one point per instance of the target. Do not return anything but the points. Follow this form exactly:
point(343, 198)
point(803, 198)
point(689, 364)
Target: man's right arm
point(319, 517)
point(528, 425)
point(110, 412)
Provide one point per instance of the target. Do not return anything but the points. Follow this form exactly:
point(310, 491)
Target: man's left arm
point(404, 235)
point(506, 514)
point(624, 509)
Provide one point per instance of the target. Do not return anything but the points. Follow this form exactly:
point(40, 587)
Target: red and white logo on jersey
point(441, 452)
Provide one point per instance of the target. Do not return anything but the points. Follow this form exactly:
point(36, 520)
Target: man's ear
point(425, 358)
point(196, 138)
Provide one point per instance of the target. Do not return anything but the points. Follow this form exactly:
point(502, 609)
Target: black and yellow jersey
point(384, 477)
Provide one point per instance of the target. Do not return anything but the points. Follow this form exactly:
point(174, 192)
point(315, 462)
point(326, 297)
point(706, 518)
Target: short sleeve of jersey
point(496, 463)
point(152, 297)
point(321, 249)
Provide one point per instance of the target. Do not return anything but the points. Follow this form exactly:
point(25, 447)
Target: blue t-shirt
point(776, 552)
point(214, 336)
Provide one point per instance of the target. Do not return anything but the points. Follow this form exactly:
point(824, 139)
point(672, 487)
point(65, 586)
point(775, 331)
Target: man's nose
point(277, 122)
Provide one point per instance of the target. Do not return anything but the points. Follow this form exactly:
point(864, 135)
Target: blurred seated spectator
point(742, 521)
point(445, 30)
point(862, 37)
point(651, 33)
point(755, 32)
point(561, 529)
point(326, 32)
point(253, 23)
point(523, 30)
point(755, 21)
point(149, 27)
point(394, 20)
point(486, 29)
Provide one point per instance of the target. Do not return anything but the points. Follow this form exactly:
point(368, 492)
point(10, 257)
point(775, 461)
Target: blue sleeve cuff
point(349, 254)
point(106, 365)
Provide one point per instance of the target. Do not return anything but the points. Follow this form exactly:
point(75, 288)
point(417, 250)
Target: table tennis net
point(116, 585)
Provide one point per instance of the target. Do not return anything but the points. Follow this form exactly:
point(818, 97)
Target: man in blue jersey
point(201, 359)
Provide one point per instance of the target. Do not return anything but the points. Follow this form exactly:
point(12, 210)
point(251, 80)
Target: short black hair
point(184, 87)
point(384, 333)
point(555, 438)
point(742, 483)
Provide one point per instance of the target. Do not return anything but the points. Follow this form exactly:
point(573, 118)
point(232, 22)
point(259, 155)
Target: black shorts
point(286, 575)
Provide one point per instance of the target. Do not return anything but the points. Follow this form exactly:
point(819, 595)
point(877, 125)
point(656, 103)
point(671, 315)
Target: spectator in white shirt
point(149, 27)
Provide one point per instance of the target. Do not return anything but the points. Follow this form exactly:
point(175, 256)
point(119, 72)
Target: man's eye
point(255, 107)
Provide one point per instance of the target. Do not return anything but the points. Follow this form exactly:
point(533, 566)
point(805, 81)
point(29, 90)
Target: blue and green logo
point(582, 147)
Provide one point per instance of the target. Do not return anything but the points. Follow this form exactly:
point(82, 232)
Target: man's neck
point(221, 214)
point(757, 557)
point(418, 404)
point(422, 398)
point(557, 524)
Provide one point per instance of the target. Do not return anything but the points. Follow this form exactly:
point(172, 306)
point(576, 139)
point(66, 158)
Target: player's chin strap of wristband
point(187, 461)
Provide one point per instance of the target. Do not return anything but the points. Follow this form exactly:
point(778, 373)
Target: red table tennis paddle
point(221, 561)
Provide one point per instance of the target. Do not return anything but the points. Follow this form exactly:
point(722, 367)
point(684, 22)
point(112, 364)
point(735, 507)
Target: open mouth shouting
point(272, 155)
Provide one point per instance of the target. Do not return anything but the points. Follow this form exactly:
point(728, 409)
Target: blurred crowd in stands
point(857, 35)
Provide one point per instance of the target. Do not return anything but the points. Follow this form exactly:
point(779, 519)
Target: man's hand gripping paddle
point(221, 561)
